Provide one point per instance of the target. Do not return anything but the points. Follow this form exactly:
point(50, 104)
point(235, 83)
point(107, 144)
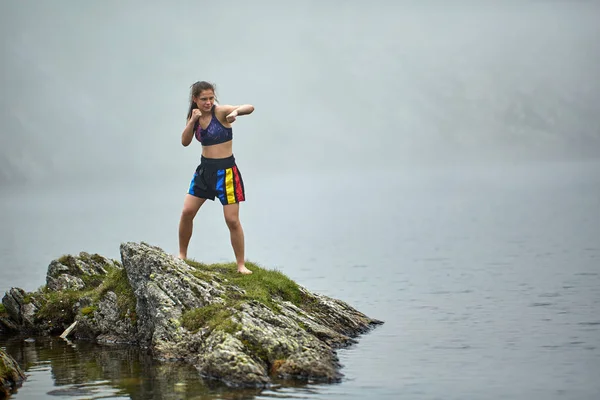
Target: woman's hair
point(195, 91)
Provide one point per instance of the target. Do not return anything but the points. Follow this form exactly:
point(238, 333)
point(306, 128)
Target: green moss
point(203, 275)
point(301, 325)
point(263, 285)
point(88, 310)
point(58, 306)
point(2, 309)
point(259, 351)
point(229, 326)
point(214, 316)
point(97, 258)
point(69, 261)
point(92, 281)
point(27, 298)
point(65, 259)
point(117, 282)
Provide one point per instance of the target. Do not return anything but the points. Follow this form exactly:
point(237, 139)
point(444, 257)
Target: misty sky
point(101, 89)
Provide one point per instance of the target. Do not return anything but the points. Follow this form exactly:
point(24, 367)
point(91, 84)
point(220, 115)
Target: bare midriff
point(221, 150)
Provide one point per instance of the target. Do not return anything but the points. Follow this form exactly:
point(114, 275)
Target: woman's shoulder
point(223, 109)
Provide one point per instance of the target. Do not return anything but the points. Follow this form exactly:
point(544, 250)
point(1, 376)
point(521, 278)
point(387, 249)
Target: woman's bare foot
point(243, 270)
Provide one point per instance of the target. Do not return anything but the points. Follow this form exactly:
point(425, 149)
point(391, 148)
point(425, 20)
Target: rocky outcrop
point(75, 273)
point(11, 375)
point(240, 329)
point(20, 311)
point(72, 283)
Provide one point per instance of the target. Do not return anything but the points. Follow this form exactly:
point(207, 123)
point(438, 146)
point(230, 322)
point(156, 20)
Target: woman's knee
point(191, 205)
point(233, 222)
point(189, 212)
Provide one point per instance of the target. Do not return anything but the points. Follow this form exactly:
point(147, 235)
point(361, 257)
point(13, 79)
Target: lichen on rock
point(243, 330)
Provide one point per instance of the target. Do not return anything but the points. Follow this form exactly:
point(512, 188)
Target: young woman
point(217, 175)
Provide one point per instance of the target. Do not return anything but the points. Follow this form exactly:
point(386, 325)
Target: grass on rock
point(263, 285)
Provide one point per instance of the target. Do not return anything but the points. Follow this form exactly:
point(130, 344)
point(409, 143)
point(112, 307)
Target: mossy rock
point(11, 375)
point(232, 327)
point(214, 316)
point(263, 285)
point(58, 309)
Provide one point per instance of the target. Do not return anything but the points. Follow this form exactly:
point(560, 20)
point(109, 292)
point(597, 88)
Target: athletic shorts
point(218, 177)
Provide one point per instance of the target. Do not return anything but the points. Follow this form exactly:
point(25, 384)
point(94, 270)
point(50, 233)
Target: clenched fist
point(231, 117)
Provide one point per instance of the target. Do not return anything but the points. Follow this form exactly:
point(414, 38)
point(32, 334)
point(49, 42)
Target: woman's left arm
point(229, 113)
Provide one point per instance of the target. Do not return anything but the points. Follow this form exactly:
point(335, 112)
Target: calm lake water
point(487, 278)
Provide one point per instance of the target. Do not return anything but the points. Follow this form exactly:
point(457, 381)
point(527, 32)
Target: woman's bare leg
point(236, 233)
point(191, 205)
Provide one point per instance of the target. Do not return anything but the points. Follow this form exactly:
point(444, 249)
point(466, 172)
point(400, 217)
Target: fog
point(100, 90)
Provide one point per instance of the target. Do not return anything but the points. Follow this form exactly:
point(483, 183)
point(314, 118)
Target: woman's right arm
point(188, 133)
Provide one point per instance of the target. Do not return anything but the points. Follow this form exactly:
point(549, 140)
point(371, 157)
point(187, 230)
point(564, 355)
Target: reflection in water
point(72, 370)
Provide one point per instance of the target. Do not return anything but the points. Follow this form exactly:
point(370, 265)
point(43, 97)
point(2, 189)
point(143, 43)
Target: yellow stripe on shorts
point(229, 186)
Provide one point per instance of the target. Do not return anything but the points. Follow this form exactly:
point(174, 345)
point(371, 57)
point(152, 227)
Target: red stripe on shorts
point(239, 193)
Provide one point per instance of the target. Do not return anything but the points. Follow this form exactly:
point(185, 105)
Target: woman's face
point(205, 100)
